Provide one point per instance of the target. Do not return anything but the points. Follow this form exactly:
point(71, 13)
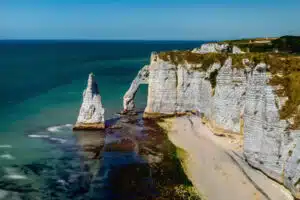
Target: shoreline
point(210, 157)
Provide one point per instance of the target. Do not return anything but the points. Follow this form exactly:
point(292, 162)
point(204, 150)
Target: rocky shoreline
point(242, 92)
point(237, 92)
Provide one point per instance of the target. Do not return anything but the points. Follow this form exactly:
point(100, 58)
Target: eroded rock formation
point(235, 97)
point(141, 78)
point(91, 114)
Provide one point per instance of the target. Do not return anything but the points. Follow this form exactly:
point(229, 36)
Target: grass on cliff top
point(180, 57)
point(287, 44)
point(278, 62)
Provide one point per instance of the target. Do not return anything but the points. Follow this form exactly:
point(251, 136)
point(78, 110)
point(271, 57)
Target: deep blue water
point(41, 85)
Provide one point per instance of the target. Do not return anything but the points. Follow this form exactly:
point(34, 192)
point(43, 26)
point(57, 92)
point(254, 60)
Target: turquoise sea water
point(41, 85)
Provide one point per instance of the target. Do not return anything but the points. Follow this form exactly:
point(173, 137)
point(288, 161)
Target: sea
point(41, 86)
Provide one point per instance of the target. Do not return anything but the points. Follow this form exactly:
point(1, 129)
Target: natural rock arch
point(141, 78)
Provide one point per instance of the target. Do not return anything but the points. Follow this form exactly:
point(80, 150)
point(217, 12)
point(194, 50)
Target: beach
point(215, 165)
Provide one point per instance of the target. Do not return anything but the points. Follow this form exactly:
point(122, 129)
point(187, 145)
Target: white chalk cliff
point(235, 99)
point(91, 114)
point(211, 48)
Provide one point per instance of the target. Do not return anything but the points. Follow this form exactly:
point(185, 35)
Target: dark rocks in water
point(90, 127)
point(91, 143)
point(122, 145)
point(115, 126)
point(135, 160)
point(128, 113)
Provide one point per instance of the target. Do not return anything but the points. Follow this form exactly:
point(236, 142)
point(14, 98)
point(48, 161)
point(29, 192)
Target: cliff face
point(91, 114)
point(234, 97)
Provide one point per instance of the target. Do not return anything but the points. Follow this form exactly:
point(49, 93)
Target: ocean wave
point(55, 129)
point(12, 174)
point(62, 182)
point(38, 136)
point(5, 146)
point(54, 139)
point(7, 156)
point(16, 177)
point(57, 140)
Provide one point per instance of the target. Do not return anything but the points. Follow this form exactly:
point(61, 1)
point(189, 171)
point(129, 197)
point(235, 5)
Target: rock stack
point(91, 114)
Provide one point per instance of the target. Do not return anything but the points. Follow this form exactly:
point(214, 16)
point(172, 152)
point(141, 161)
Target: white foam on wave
point(7, 156)
point(55, 129)
point(38, 136)
point(62, 182)
point(16, 177)
point(5, 146)
point(58, 139)
point(12, 174)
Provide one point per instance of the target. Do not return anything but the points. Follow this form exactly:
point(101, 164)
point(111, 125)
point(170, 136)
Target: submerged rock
point(91, 114)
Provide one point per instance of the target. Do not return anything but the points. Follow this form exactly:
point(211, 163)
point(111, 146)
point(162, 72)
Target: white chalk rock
point(91, 114)
point(211, 48)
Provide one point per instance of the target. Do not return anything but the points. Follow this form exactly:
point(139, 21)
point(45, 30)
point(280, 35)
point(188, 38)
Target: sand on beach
point(208, 164)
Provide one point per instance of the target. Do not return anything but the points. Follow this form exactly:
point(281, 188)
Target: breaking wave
point(11, 173)
point(7, 156)
point(57, 140)
point(5, 146)
point(38, 136)
point(55, 129)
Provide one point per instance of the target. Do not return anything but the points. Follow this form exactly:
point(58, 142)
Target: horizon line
point(63, 39)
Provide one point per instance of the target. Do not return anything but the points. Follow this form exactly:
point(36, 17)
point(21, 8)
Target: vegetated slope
point(284, 44)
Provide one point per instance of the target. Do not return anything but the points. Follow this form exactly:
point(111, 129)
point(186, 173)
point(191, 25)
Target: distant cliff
point(254, 94)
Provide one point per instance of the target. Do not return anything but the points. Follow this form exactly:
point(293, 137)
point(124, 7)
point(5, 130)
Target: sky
point(148, 19)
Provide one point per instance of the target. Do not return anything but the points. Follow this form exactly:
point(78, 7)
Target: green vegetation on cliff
point(181, 57)
point(289, 87)
point(284, 69)
point(286, 44)
point(290, 44)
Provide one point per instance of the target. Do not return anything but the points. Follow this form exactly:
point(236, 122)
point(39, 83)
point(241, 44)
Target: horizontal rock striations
point(254, 94)
point(91, 114)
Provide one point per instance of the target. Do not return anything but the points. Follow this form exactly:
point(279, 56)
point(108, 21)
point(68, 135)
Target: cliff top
point(286, 44)
point(283, 65)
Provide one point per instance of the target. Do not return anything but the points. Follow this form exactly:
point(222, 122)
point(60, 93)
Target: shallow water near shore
point(136, 161)
point(41, 91)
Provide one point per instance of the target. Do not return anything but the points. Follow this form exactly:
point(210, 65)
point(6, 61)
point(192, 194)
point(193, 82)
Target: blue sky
point(148, 20)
